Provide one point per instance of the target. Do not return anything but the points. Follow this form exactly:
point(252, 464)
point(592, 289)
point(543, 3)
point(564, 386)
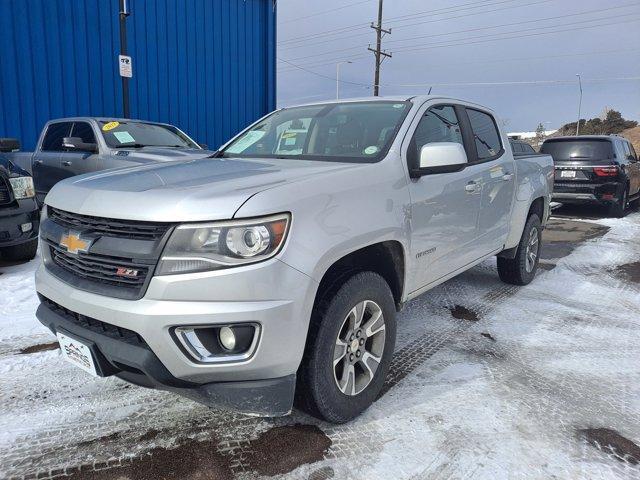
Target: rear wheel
point(351, 342)
point(521, 269)
point(19, 253)
point(619, 209)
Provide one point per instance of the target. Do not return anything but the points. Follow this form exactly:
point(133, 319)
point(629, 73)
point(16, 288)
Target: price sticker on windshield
point(109, 126)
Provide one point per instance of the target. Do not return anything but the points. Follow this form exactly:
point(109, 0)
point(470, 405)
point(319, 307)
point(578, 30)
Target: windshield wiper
point(131, 145)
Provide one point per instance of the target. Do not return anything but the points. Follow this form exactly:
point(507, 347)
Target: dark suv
point(601, 169)
point(19, 214)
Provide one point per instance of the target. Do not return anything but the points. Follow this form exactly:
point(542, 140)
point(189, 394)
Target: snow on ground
point(533, 382)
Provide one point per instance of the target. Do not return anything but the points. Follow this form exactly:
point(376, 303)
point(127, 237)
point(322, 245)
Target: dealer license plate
point(77, 353)
point(568, 174)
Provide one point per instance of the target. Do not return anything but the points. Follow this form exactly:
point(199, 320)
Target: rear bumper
point(11, 217)
point(599, 193)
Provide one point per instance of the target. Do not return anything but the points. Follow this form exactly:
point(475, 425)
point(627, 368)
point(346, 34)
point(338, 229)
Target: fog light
point(26, 227)
point(227, 338)
point(229, 343)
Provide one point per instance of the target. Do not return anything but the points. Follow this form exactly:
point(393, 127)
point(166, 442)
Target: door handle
point(507, 176)
point(66, 163)
point(38, 162)
point(472, 187)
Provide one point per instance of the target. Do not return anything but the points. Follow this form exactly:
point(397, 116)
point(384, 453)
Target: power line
point(519, 36)
point(496, 60)
point(315, 55)
point(524, 22)
point(326, 11)
point(358, 26)
point(467, 84)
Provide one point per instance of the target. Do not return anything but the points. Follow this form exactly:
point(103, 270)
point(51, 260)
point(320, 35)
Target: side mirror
point(203, 146)
point(76, 143)
point(441, 157)
point(9, 145)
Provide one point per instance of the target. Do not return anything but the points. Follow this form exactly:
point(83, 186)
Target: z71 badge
point(126, 272)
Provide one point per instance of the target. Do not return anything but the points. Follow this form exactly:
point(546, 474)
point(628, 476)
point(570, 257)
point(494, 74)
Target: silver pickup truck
point(73, 146)
point(274, 270)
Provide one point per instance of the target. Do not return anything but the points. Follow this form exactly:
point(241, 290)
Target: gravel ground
point(488, 381)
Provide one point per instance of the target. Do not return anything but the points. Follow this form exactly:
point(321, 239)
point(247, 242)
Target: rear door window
point(578, 150)
point(485, 134)
point(52, 141)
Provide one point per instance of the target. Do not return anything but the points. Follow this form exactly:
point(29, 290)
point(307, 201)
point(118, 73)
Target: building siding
point(207, 66)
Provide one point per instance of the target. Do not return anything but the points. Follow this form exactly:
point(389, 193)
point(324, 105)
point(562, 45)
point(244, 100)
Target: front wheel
point(521, 269)
point(349, 349)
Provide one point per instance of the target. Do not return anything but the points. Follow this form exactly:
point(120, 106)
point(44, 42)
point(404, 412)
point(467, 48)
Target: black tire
point(619, 209)
point(317, 391)
point(20, 253)
point(515, 270)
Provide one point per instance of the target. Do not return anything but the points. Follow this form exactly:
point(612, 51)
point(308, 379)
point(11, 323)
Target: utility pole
point(579, 104)
point(378, 52)
point(124, 13)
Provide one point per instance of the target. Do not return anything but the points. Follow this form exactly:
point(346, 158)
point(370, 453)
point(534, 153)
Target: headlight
point(22, 187)
point(212, 246)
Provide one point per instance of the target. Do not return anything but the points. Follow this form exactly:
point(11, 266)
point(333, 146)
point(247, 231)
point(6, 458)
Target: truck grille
point(108, 226)
point(5, 194)
point(100, 268)
point(122, 268)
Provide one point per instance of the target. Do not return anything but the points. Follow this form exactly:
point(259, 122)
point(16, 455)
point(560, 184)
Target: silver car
point(275, 270)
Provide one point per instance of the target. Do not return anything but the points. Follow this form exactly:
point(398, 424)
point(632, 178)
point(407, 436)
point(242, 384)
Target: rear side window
point(528, 149)
point(578, 150)
point(84, 131)
point(53, 138)
point(485, 134)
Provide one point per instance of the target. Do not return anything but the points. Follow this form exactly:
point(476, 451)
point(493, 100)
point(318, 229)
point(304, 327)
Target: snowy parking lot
point(488, 381)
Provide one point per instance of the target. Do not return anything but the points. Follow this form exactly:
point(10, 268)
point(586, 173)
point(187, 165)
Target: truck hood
point(159, 154)
point(182, 191)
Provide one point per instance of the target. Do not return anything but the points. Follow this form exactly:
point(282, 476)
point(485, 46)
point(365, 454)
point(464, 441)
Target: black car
point(19, 214)
point(602, 169)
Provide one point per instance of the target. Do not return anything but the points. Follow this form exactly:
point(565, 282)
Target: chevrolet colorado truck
point(19, 214)
point(74, 146)
point(272, 272)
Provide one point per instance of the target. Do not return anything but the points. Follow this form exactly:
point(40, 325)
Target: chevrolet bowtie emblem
point(74, 244)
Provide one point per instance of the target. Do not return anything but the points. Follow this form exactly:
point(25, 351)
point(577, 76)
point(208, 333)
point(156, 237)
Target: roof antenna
point(430, 88)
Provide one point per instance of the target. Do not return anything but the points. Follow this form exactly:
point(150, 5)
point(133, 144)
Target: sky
point(444, 43)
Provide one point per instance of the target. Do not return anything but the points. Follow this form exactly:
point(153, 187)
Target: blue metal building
point(207, 66)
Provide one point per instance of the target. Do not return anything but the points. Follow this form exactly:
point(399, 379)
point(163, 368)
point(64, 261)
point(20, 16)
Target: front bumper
point(272, 294)
point(11, 217)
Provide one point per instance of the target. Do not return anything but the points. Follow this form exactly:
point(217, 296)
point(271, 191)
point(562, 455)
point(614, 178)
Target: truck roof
point(392, 98)
point(102, 119)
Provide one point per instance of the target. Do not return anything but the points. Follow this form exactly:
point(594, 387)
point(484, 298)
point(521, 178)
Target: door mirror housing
point(9, 145)
point(76, 144)
point(441, 157)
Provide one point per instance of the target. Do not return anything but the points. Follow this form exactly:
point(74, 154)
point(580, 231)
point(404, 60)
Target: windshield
point(140, 134)
point(345, 132)
point(578, 150)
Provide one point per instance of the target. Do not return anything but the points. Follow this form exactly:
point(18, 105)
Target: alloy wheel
point(531, 253)
point(359, 347)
